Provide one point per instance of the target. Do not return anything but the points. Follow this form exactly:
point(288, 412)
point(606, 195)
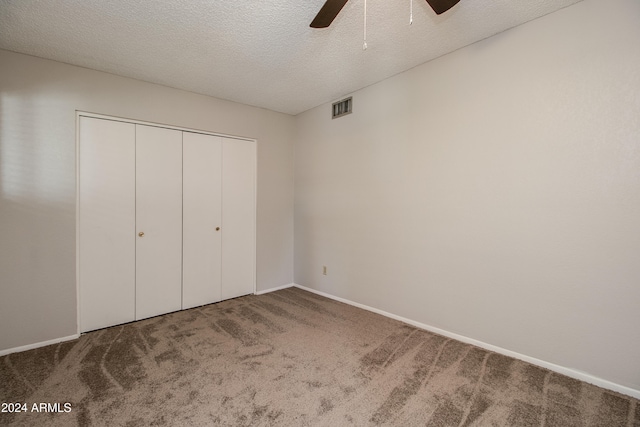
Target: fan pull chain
point(364, 46)
point(410, 12)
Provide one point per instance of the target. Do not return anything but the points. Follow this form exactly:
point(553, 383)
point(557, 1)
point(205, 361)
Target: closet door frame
point(87, 114)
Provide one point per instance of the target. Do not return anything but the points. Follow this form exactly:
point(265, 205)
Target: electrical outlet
point(324, 270)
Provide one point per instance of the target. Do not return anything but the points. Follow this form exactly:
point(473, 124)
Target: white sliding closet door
point(238, 217)
point(166, 220)
point(158, 221)
point(202, 219)
point(106, 223)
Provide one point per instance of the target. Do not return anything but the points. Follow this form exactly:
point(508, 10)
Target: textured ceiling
point(261, 53)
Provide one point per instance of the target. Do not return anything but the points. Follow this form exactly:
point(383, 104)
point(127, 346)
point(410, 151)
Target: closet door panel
point(202, 180)
point(238, 216)
point(159, 218)
point(106, 223)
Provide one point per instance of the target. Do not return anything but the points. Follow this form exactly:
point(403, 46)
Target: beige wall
point(493, 193)
point(38, 103)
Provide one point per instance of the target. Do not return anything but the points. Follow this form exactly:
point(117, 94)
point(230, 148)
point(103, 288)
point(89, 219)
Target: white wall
point(38, 103)
point(493, 193)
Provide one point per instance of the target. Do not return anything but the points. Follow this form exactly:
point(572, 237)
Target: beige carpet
point(292, 358)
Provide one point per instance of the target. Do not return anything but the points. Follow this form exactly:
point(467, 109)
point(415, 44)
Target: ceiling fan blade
point(328, 13)
point(441, 6)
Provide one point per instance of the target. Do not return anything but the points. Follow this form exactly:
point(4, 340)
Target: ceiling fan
point(331, 8)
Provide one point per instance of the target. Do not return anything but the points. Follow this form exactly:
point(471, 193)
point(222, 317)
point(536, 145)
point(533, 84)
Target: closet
point(166, 220)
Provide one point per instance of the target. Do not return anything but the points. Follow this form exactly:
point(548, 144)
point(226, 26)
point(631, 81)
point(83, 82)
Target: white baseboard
point(38, 344)
point(277, 288)
point(572, 373)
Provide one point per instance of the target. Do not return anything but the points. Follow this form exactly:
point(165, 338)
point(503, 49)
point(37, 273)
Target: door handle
point(141, 234)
